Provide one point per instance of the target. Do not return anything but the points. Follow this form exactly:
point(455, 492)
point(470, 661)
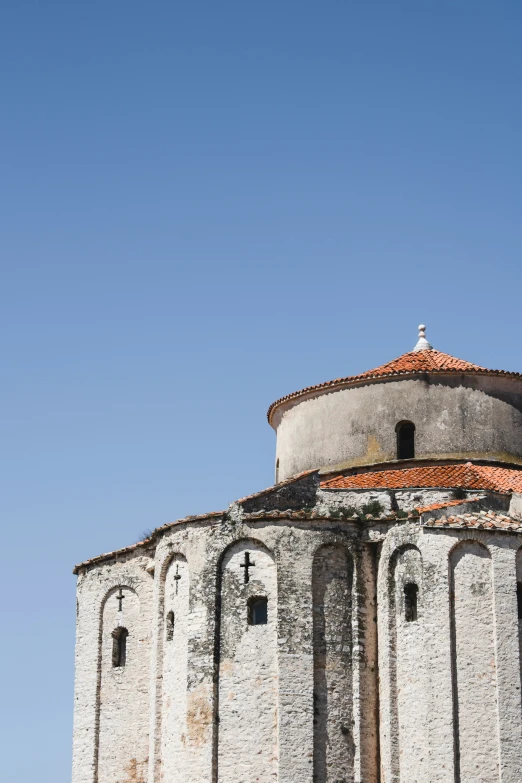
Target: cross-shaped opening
point(120, 598)
point(247, 565)
point(177, 577)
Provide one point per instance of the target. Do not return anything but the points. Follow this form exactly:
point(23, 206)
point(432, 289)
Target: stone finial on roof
point(422, 343)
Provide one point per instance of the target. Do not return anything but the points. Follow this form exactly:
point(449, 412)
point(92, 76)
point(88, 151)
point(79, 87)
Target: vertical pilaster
point(508, 661)
point(155, 674)
point(435, 547)
point(202, 675)
point(296, 675)
point(365, 665)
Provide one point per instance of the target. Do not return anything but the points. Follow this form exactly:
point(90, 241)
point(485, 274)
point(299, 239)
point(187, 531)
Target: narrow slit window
point(410, 602)
point(170, 626)
point(405, 440)
point(258, 611)
point(119, 647)
point(519, 599)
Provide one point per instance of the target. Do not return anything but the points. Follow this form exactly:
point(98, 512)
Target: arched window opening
point(170, 626)
point(277, 471)
point(257, 611)
point(405, 440)
point(519, 599)
point(119, 647)
point(410, 602)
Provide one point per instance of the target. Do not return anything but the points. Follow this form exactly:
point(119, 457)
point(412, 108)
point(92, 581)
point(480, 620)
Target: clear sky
point(205, 206)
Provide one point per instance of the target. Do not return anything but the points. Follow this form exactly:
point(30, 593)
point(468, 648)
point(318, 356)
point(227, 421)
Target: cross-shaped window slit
point(247, 565)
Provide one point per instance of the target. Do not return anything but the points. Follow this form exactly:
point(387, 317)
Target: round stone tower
point(459, 411)
point(358, 622)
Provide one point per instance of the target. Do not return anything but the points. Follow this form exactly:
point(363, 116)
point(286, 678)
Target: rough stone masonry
point(358, 622)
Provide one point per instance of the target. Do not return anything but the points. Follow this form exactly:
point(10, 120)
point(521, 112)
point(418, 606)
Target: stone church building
point(357, 622)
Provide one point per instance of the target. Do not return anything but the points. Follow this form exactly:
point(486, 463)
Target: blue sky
point(206, 206)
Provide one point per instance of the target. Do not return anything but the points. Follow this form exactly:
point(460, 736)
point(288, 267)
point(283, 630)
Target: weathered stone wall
point(297, 700)
point(123, 693)
point(174, 638)
point(248, 668)
point(474, 664)
point(469, 417)
point(111, 717)
point(408, 669)
point(469, 656)
point(333, 670)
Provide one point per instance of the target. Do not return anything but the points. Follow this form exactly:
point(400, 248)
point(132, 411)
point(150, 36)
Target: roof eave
point(361, 380)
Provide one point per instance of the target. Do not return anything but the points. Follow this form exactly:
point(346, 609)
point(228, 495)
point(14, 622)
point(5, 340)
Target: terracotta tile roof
point(412, 363)
point(445, 504)
point(421, 361)
point(481, 520)
point(465, 475)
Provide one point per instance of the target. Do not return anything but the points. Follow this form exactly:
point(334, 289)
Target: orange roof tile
point(412, 363)
point(481, 520)
point(445, 504)
point(465, 475)
point(422, 361)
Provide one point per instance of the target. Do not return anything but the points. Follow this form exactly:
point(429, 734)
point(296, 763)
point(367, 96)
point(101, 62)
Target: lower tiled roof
point(465, 475)
point(445, 504)
point(481, 520)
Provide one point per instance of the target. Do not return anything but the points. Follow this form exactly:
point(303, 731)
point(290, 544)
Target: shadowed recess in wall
point(408, 670)
point(473, 664)
point(173, 661)
point(248, 691)
point(123, 669)
point(333, 670)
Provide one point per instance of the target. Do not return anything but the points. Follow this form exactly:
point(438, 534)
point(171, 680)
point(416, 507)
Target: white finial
point(422, 343)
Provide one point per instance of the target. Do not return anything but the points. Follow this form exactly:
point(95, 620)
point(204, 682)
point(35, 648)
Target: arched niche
point(248, 683)
point(408, 664)
point(405, 434)
point(122, 708)
point(173, 662)
point(473, 662)
point(332, 588)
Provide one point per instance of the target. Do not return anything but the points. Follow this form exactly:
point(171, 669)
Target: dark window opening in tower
point(410, 602)
point(405, 440)
point(170, 626)
point(119, 647)
point(519, 599)
point(257, 611)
